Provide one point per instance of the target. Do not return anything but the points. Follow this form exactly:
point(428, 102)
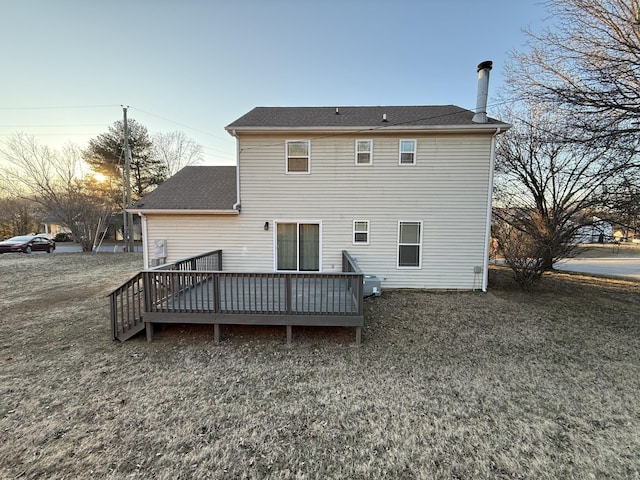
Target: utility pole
point(126, 194)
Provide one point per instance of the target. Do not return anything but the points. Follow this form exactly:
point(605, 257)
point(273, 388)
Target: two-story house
point(406, 190)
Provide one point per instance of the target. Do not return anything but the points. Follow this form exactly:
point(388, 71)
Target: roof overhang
point(476, 128)
point(174, 211)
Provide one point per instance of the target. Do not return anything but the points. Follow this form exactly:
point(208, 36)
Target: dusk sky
point(196, 65)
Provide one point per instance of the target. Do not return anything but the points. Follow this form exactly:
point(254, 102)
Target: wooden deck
point(175, 294)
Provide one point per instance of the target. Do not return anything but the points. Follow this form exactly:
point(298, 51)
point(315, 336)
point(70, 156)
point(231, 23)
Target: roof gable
point(193, 188)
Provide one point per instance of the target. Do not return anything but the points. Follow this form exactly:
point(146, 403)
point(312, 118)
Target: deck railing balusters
point(254, 305)
point(174, 288)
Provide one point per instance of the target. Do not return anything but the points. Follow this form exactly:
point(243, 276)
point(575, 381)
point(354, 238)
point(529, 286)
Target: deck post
point(288, 294)
point(216, 333)
point(360, 295)
point(216, 293)
point(289, 334)
point(148, 326)
point(358, 335)
point(114, 316)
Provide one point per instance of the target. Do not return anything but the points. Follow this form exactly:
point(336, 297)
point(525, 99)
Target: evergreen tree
point(106, 155)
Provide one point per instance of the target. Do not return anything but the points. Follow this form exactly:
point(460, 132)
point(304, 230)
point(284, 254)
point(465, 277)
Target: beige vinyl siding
point(446, 190)
point(243, 245)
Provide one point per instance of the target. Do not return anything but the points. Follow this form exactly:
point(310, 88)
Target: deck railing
point(206, 262)
point(349, 264)
point(195, 290)
point(331, 294)
point(127, 306)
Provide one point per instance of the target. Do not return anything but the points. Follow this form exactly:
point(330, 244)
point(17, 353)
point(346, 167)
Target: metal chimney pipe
point(483, 92)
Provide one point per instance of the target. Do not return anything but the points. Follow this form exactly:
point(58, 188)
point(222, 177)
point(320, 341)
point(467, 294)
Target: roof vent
point(384, 117)
point(337, 111)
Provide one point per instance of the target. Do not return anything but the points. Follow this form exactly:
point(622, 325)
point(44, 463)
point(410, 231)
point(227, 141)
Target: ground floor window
point(409, 244)
point(297, 247)
point(361, 232)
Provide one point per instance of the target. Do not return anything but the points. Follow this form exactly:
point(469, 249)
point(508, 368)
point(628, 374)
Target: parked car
point(28, 244)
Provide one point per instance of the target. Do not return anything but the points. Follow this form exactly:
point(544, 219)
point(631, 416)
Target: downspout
point(487, 231)
point(145, 240)
point(237, 206)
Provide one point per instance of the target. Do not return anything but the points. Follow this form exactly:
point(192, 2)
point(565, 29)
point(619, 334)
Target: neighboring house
point(115, 228)
point(52, 227)
point(600, 231)
point(406, 190)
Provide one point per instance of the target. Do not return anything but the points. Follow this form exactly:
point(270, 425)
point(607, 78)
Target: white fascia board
point(165, 211)
point(476, 128)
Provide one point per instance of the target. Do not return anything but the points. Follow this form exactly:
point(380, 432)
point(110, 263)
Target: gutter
point(164, 211)
point(145, 240)
point(487, 230)
point(374, 128)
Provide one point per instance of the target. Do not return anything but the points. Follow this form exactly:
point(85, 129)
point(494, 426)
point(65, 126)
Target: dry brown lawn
point(541, 385)
point(609, 250)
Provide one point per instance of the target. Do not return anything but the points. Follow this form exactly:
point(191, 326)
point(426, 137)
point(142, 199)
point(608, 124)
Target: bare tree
point(587, 64)
point(18, 216)
point(586, 69)
point(548, 187)
point(175, 150)
point(622, 207)
point(54, 181)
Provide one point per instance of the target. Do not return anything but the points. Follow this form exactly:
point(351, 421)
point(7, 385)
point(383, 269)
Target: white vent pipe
point(483, 92)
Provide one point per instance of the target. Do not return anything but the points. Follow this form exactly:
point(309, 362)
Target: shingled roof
point(356, 117)
point(201, 188)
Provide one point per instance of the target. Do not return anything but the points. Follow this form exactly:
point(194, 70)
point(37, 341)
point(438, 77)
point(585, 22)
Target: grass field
point(541, 385)
point(609, 250)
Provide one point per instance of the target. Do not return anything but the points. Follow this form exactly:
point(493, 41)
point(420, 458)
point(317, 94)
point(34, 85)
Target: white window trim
point(275, 245)
point(286, 157)
point(415, 150)
point(354, 231)
point(419, 267)
point(369, 152)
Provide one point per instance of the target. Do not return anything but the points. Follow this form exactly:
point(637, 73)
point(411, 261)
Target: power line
point(210, 149)
point(54, 126)
point(182, 125)
point(370, 129)
point(65, 134)
point(60, 107)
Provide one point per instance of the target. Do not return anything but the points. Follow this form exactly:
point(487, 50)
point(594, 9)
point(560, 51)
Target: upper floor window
point(407, 152)
point(298, 156)
point(364, 152)
point(361, 232)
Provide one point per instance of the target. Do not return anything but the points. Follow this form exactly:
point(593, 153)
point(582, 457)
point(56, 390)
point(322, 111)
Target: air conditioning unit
point(372, 286)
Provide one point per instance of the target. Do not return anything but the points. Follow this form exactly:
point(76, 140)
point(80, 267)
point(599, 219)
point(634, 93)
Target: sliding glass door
point(298, 246)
